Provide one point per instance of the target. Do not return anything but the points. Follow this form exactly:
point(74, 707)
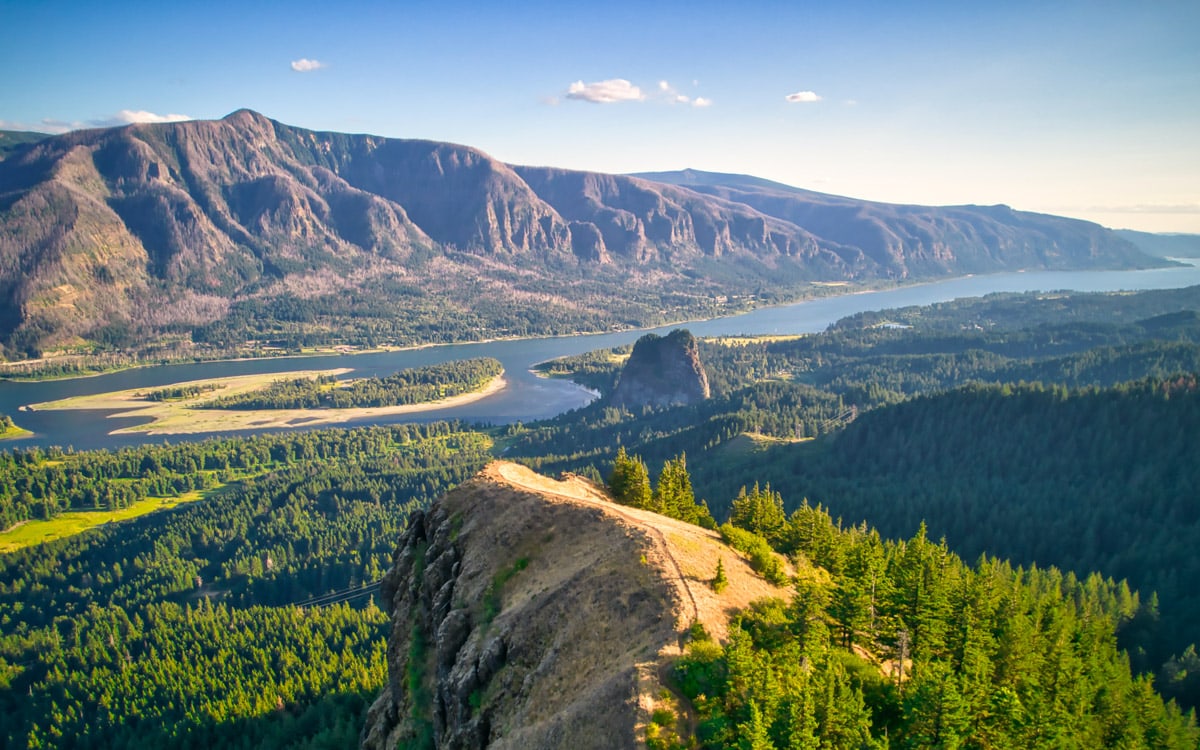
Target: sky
point(1085, 109)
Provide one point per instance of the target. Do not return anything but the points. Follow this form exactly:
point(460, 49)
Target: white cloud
point(803, 97)
point(130, 116)
point(605, 92)
point(304, 65)
point(668, 92)
point(123, 117)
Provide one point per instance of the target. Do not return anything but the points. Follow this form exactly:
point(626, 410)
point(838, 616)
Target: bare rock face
point(662, 371)
point(519, 623)
point(533, 613)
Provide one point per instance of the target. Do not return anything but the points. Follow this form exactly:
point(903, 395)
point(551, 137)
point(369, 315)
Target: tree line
point(413, 386)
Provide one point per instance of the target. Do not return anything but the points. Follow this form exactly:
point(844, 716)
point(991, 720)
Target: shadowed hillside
point(215, 232)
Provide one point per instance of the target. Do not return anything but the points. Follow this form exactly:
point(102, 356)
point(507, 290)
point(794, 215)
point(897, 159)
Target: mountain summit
point(128, 234)
point(533, 613)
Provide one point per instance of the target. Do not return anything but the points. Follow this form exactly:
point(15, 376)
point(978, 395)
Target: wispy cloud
point(304, 65)
point(123, 117)
point(1143, 208)
point(669, 92)
point(46, 125)
point(803, 97)
point(605, 92)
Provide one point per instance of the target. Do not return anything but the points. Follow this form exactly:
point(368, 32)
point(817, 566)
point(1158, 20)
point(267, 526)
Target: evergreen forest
point(988, 509)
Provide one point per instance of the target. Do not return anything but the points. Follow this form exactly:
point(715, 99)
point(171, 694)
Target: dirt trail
point(689, 554)
point(580, 490)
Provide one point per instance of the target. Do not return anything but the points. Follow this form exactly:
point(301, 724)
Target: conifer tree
point(761, 511)
point(629, 481)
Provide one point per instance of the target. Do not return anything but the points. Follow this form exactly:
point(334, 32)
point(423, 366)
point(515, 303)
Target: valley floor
point(188, 415)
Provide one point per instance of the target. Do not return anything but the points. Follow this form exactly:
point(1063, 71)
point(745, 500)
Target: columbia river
point(528, 397)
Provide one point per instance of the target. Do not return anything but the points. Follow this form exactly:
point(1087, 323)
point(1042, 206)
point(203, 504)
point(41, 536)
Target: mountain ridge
point(536, 613)
point(115, 235)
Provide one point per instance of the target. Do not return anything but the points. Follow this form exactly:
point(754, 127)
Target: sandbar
point(188, 416)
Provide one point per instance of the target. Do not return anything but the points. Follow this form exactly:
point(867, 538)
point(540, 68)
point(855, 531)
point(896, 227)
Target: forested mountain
point(241, 620)
point(917, 414)
point(1164, 245)
point(1104, 480)
point(1099, 479)
point(253, 229)
point(12, 140)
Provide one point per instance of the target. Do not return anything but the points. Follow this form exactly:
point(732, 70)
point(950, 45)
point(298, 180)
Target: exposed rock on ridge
point(530, 613)
point(662, 371)
point(160, 227)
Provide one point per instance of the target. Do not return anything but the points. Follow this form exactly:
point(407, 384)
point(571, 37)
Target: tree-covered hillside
point(1102, 479)
point(241, 620)
point(901, 644)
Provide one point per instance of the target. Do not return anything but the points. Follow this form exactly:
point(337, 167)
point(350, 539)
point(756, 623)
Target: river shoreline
point(526, 398)
point(191, 418)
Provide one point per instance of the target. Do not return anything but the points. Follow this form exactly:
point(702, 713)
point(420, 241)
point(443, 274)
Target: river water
point(528, 397)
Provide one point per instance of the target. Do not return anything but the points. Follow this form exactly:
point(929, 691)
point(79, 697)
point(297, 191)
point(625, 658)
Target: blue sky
point(1087, 109)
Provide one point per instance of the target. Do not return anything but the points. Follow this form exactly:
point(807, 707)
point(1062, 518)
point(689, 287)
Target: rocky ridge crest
point(533, 613)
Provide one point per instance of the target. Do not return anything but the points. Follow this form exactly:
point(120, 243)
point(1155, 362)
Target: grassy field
point(744, 340)
point(29, 533)
point(10, 433)
point(189, 415)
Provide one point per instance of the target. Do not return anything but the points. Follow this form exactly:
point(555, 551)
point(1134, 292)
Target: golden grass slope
point(188, 415)
point(587, 601)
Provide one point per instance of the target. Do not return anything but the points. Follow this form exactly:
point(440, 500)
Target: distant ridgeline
point(245, 235)
point(414, 386)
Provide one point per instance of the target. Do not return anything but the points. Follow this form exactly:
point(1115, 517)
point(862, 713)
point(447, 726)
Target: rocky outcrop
point(533, 613)
point(516, 624)
point(662, 371)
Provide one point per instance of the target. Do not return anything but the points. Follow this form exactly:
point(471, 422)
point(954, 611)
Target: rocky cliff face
point(162, 226)
point(529, 613)
point(662, 371)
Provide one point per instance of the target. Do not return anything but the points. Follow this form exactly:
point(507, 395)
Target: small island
point(301, 398)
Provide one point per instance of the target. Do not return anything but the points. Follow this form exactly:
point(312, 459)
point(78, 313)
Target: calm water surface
point(528, 397)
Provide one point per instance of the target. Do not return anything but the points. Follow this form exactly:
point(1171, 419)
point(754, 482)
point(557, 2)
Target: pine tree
point(720, 582)
point(673, 495)
point(629, 481)
point(761, 511)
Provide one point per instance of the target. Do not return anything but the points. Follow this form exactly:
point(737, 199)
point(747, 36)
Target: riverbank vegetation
point(413, 386)
point(261, 401)
point(9, 429)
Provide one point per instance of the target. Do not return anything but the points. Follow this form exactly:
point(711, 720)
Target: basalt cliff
point(533, 613)
point(246, 227)
point(662, 371)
